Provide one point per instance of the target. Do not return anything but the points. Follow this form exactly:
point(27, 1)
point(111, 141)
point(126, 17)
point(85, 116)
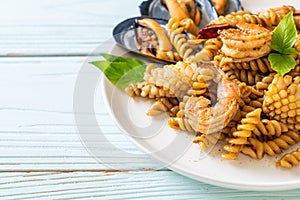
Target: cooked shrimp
point(245, 45)
point(245, 32)
point(239, 31)
point(246, 41)
point(205, 118)
point(242, 54)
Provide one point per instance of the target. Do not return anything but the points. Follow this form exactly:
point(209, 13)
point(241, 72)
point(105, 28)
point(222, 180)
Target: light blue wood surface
point(43, 45)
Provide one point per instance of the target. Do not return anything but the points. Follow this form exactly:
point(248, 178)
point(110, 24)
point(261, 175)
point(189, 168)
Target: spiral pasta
point(186, 48)
point(232, 17)
point(166, 55)
point(245, 90)
point(188, 25)
point(271, 147)
point(270, 128)
point(207, 141)
point(198, 88)
point(247, 76)
point(263, 84)
point(162, 105)
point(289, 160)
point(259, 65)
point(269, 18)
point(149, 90)
point(273, 16)
point(212, 46)
point(297, 44)
point(244, 131)
point(178, 122)
point(295, 72)
point(189, 49)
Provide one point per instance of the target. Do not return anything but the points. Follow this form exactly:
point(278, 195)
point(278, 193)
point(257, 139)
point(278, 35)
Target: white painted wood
point(66, 12)
point(41, 40)
point(67, 27)
point(120, 185)
point(38, 131)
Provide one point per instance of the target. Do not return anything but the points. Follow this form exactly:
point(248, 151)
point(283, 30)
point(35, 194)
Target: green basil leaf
point(285, 34)
point(290, 51)
point(112, 58)
point(134, 75)
point(282, 64)
point(121, 71)
point(276, 48)
point(102, 64)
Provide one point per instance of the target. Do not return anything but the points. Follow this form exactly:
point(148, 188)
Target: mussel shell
point(234, 5)
point(124, 34)
point(155, 8)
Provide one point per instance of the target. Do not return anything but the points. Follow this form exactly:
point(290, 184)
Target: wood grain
point(120, 185)
point(68, 27)
point(38, 134)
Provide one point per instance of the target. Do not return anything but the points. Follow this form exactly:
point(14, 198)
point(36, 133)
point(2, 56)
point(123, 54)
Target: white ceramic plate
point(175, 150)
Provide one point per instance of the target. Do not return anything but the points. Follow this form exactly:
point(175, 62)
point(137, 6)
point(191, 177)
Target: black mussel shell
point(124, 33)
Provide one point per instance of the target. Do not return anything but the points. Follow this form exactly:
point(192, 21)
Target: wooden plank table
point(43, 45)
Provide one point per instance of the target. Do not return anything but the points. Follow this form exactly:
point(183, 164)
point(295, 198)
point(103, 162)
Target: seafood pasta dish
point(232, 76)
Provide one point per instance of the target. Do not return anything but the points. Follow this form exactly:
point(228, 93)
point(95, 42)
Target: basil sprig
point(284, 37)
point(121, 71)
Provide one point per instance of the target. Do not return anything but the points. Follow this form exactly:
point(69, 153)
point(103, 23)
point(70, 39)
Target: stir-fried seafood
point(246, 42)
point(169, 78)
point(282, 100)
point(241, 41)
point(205, 118)
point(213, 30)
point(241, 96)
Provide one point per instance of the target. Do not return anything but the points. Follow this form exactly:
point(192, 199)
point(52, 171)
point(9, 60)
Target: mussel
point(160, 8)
point(224, 7)
point(201, 11)
point(146, 36)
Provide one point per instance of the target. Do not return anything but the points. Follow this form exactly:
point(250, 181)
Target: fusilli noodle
point(272, 147)
point(162, 105)
point(269, 18)
point(289, 160)
point(244, 131)
point(149, 90)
